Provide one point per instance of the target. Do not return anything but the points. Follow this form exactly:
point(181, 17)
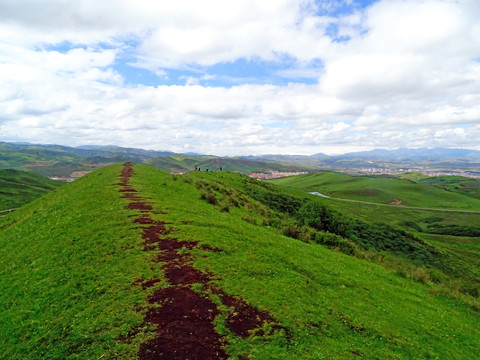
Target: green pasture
point(71, 261)
point(381, 189)
point(19, 187)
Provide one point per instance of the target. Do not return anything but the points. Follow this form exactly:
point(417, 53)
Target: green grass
point(19, 187)
point(69, 262)
point(334, 305)
point(67, 266)
point(381, 189)
point(457, 184)
point(184, 163)
point(459, 254)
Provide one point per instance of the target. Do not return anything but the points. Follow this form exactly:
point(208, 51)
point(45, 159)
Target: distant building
point(275, 174)
point(65, 179)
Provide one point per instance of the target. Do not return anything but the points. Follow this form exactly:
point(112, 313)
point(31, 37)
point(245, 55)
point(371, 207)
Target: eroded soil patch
point(184, 320)
point(184, 317)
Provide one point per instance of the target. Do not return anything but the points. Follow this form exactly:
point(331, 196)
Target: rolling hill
point(184, 163)
point(458, 184)
point(128, 260)
point(20, 187)
point(55, 160)
point(391, 190)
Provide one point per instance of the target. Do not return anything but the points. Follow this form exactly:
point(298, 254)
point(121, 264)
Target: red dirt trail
point(184, 317)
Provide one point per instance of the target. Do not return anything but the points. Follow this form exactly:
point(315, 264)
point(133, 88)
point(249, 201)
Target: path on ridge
point(183, 317)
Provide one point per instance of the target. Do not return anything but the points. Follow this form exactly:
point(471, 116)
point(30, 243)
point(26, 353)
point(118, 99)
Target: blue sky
point(243, 77)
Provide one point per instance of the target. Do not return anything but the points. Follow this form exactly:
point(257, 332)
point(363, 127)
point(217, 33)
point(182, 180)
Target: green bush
point(455, 230)
point(209, 197)
point(335, 241)
point(321, 218)
point(274, 199)
point(296, 231)
point(411, 224)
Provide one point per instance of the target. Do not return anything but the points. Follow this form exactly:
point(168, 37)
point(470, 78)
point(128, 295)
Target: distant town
point(372, 171)
point(275, 174)
point(387, 171)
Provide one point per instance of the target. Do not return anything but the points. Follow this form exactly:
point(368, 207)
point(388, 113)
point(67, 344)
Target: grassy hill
point(184, 163)
point(458, 184)
point(87, 270)
point(55, 160)
point(19, 187)
point(386, 190)
point(454, 234)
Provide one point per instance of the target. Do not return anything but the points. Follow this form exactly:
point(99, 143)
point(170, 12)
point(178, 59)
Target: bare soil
point(183, 317)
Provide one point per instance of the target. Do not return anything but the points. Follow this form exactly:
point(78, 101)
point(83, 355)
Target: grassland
point(71, 263)
point(458, 184)
point(454, 234)
point(385, 190)
point(54, 160)
point(19, 187)
point(184, 163)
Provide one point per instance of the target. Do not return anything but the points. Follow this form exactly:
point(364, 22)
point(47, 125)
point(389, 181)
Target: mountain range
point(58, 160)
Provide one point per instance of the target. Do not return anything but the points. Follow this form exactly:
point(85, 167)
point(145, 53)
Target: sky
point(243, 77)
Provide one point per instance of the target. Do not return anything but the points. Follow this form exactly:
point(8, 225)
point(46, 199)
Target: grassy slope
point(457, 184)
point(18, 188)
point(334, 305)
point(183, 163)
point(380, 189)
point(66, 270)
point(68, 262)
point(461, 254)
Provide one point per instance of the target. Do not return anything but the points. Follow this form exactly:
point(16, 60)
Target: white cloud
point(407, 76)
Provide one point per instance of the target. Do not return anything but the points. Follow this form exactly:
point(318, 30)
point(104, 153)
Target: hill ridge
point(184, 323)
point(77, 283)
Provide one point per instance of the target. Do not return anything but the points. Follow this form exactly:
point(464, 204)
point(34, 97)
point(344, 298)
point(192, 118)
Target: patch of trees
point(312, 221)
point(455, 230)
point(377, 236)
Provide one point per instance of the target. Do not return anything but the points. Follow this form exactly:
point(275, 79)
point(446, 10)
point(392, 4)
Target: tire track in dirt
point(184, 317)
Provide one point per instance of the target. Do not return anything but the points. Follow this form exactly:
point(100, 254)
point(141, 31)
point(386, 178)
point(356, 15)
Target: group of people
point(197, 168)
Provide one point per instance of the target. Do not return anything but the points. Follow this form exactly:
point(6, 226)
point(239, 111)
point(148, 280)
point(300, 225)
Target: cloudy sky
point(241, 77)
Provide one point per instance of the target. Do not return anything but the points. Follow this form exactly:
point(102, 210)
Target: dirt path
point(183, 317)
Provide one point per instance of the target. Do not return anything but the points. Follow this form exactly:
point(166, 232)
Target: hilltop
point(98, 268)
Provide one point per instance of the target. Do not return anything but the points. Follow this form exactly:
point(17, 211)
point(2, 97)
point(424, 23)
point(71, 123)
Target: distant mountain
point(280, 158)
point(93, 147)
point(320, 155)
point(57, 160)
point(422, 154)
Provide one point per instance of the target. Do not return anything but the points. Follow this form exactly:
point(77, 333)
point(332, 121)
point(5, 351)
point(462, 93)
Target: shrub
point(250, 220)
point(336, 242)
point(209, 197)
point(295, 231)
point(455, 230)
point(411, 224)
point(321, 217)
point(273, 199)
